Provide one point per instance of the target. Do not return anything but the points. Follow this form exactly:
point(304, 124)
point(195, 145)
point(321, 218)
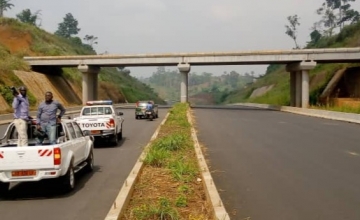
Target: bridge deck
point(332, 55)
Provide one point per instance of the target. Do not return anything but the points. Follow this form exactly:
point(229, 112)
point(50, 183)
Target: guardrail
point(333, 115)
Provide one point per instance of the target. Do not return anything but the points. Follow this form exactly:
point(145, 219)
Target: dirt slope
point(38, 84)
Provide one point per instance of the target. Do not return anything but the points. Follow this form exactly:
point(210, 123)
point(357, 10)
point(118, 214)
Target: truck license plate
point(24, 173)
point(95, 132)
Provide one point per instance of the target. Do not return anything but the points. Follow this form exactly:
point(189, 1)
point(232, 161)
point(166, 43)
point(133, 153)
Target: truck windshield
point(97, 111)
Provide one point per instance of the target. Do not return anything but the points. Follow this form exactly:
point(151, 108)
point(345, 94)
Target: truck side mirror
point(86, 133)
point(120, 113)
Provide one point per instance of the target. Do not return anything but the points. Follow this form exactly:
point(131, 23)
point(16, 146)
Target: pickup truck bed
point(73, 152)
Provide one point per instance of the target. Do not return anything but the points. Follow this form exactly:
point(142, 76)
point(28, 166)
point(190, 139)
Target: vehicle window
point(100, 110)
point(97, 111)
point(86, 111)
point(142, 104)
point(94, 111)
point(77, 129)
point(108, 111)
point(71, 130)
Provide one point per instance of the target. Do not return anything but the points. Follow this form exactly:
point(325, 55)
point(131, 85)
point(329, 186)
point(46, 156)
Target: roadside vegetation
point(204, 88)
point(24, 36)
point(319, 77)
point(338, 26)
point(170, 184)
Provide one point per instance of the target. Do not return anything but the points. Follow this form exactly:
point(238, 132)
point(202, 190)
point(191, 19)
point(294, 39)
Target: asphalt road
point(270, 165)
point(94, 192)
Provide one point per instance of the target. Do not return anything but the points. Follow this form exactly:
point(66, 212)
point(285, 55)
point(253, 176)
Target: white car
point(72, 152)
point(101, 119)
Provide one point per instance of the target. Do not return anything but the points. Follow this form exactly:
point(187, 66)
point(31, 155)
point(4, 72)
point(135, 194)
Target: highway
point(267, 165)
point(271, 165)
point(94, 192)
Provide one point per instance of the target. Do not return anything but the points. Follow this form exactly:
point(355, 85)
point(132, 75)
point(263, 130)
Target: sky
point(169, 26)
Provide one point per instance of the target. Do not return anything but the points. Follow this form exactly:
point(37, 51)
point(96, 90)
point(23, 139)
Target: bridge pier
point(184, 69)
point(89, 82)
point(299, 83)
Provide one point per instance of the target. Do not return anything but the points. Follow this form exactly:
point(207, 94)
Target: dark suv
point(141, 107)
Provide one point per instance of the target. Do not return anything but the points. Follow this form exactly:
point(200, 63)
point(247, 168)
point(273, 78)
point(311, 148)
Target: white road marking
point(352, 153)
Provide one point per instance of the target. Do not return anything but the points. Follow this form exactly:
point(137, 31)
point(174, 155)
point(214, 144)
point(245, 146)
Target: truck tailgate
point(93, 123)
point(25, 158)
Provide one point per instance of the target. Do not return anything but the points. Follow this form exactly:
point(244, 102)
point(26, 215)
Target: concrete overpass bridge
point(298, 63)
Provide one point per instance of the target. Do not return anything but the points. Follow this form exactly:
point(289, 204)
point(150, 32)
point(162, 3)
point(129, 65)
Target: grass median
point(170, 184)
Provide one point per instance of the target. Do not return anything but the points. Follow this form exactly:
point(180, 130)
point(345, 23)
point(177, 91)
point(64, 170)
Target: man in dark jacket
point(46, 118)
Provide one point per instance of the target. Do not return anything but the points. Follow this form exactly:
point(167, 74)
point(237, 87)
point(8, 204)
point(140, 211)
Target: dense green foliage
point(276, 74)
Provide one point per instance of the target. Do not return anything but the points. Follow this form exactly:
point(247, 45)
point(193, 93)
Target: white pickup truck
point(72, 152)
point(102, 120)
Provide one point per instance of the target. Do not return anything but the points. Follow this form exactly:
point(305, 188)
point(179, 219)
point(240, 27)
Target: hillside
point(344, 94)
point(203, 88)
point(18, 40)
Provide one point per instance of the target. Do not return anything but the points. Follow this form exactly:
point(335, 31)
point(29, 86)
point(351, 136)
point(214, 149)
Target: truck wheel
point(68, 181)
point(120, 135)
point(90, 162)
point(4, 189)
point(115, 140)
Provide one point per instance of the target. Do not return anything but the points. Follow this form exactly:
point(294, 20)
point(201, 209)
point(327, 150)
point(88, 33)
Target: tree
point(90, 39)
point(27, 17)
point(291, 30)
point(333, 19)
point(329, 19)
point(315, 34)
point(4, 6)
point(68, 27)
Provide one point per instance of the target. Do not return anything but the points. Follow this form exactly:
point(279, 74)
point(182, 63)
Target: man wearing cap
point(46, 117)
point(21, 114)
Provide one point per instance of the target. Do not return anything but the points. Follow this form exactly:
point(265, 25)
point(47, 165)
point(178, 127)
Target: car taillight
point(112, 122)
point(57, 156)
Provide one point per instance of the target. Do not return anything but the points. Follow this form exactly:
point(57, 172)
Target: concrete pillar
point(302, 81)
point(292, 88)
point(184, 69)
point(95, 86)
point(298, 87)
point(305, 89)
point(89, 82)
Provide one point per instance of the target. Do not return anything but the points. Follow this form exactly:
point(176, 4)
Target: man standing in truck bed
point(46, 118)
point(21, 114)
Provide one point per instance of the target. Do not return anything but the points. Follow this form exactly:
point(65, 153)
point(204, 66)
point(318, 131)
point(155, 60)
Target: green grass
point(163, 210)
point(172, 152)
point(277, 75)
point(347, 109)
point(47, 44)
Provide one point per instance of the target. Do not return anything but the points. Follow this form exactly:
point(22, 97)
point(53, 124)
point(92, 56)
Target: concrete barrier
point(122, 200)
point(212, 193)
point(333, 115)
